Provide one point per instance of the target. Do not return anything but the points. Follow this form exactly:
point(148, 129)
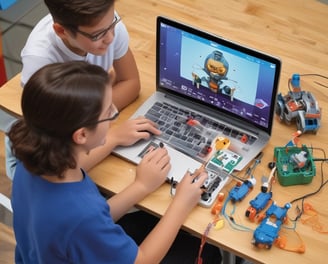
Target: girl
point(59, 214)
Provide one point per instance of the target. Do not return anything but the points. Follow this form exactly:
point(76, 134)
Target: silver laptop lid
point(226, 78)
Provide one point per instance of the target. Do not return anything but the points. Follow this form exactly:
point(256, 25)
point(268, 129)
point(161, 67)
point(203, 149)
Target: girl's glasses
point(114, 113)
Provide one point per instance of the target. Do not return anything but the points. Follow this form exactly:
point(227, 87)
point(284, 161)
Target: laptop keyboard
point(190, 132)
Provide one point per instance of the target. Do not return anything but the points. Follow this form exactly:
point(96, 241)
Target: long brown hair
point(57, 100)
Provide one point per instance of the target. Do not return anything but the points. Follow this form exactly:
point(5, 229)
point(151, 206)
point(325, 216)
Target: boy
point(59, 215)
point(89, 31)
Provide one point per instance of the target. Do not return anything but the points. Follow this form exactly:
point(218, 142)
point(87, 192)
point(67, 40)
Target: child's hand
point(189, 190)
point(133, 130)
point(153, 169)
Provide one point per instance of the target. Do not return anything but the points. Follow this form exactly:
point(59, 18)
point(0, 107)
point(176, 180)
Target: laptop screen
point(226, 76)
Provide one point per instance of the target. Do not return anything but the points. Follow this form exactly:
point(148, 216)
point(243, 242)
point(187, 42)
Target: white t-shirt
point(43, 47)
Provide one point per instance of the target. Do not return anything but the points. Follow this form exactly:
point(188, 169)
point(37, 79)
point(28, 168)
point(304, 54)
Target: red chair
point(3, 75)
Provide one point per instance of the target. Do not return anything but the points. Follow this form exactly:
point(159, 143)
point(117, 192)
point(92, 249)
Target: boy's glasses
point(101, 34)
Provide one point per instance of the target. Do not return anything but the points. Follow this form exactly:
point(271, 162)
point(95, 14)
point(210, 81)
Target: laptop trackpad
point(180, 163)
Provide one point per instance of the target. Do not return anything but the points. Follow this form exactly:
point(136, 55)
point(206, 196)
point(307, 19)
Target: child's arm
point(157, 243)
point(127, 83)
point(151, 173)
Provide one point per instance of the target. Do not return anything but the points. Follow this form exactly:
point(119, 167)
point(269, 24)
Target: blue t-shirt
point(65, 223)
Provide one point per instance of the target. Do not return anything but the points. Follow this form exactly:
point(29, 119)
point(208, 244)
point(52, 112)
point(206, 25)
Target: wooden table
point(295, 31)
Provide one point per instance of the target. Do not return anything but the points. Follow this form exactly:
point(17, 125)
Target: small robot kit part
point(218, 169)
point(268, 231)
point(299, 106)
point(295, 165)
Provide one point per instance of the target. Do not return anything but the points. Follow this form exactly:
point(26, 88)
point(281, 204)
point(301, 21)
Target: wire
point(230, 218)
point(237, 177)
point(317, 75)
point(322, 184)
point(311, 74)
point(320, 159)
point(199, 259)
point(314, 74)
point(320, 84)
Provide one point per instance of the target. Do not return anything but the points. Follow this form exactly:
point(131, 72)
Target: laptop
point(214, 103)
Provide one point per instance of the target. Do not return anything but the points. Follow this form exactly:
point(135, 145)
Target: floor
point(7, 243)
point(14, 37)
point(5, 182)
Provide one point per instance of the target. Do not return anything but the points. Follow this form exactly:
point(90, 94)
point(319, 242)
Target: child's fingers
point(199, 170)
point(200, 178)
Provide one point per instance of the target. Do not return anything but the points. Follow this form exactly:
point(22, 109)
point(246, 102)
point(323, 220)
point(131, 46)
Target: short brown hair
point(75, 13)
